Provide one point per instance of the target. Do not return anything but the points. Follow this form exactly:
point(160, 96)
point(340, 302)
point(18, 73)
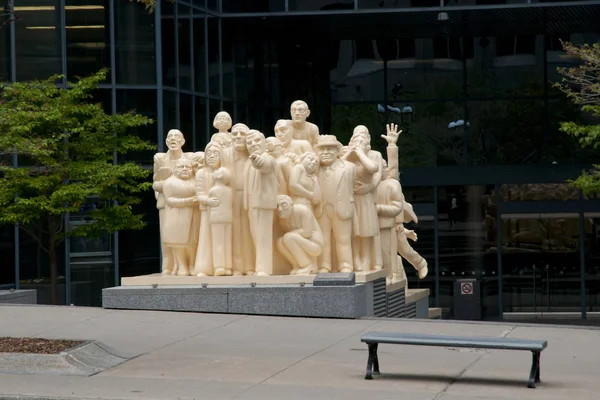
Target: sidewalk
point(211, 356)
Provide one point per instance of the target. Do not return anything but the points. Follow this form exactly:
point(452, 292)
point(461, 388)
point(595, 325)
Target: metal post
point(436, 247)
point(176, 45)
point(15, 157)
point(582, 264)
point(159, 81)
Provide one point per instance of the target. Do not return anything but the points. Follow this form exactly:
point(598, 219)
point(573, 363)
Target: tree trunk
point(52, 259)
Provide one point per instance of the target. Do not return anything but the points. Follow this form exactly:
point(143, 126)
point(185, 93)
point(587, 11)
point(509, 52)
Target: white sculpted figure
point(390, 203)
point(406, 215)
point(301, 129)
point(302, 241)
point(336, 178)
point(204, 182)
point(284, 132)
point(180, 230)
point(369, 167)
point(260, 200)
point(304, 183)
point(234, 159)
point(284, 162)
point(221, 219)
point(222, 122)
point(163, 164)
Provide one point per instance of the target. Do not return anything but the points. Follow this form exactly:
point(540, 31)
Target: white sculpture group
point(297, 203)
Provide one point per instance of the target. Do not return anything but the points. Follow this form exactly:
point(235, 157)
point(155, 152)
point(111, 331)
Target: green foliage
point(581, 84)
point(66, 145)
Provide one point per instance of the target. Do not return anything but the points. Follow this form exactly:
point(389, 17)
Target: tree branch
point(33, 236)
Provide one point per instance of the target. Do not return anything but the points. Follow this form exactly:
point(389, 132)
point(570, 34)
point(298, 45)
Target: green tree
point(66, 145)
point(581, 84)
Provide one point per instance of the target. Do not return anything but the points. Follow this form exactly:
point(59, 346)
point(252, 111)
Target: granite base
point(18, 297)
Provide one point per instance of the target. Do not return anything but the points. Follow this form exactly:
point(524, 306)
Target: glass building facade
point(469, 81)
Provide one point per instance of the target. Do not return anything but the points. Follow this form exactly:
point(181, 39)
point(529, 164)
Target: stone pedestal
point(18, 297)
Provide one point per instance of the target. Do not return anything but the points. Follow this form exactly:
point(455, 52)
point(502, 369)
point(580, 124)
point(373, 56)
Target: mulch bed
point(35, 345)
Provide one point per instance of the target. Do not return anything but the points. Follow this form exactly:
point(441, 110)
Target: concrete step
point(435, 313)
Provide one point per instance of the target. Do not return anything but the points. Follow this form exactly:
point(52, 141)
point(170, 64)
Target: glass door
point(541, 264)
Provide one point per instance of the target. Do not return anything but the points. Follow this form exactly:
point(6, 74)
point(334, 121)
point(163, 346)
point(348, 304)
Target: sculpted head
point(212, 155)
point(175, 140)
point(238, 135)
point(361, 138)
point(223, 139)
point(255, 142)
point(222, 121)
point(198, 159)
point(328, 149)
point(183, 169)
point(299, 111)
point(285, 206)
point(222, 176)
point(310, 162)
point(274, 146)
point(283, 131)
point(343, 151)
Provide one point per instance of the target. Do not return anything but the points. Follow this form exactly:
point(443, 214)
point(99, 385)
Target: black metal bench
point(372, 339)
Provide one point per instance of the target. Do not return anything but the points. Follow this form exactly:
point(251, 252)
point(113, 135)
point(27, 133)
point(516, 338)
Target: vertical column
point(499, 253)
point(15, 158)
point(436, 247)
point(582, 264)
point(176, 24)
point(113, 91)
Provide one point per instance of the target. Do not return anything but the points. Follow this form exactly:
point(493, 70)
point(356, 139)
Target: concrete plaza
point(212, 356)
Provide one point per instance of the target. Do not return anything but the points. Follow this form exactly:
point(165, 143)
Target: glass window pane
point(505, 131)
point(251, 6)
point(320, 5)
point(88, 37)
point(134, 47)
point(467, 248)
point(228, 63)
point(214, 81)
point(169, 112)
point(5, 72)
point(139, 251)
point(202, 133)
point(418, 194)
point(563, 148)
point(104, 97)
point(185, 56)
point(144, 103)
point(592, 261)
point(34, 269)
point(186, 114)
point(7, 254)
point(168, 47)
point(38, 48)
point(212, 5)
point(540, 263)
point(199, 52)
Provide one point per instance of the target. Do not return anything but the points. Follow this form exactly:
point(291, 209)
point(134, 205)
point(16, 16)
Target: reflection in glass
point(505, 131)
point(592, 262)
point(104, 97)
point(168, 49)
point(252, 6)
point(185, 56)
point(40, 58)
point(201, 136)
point(199, 52)
point(344, 118)
point(506, 66)
point(539, 192)
point(425, 246)
point(540, 262)
point(418, 194)
point(134, 44)
point(465, 248)
point(144, 103)
point(87, 37)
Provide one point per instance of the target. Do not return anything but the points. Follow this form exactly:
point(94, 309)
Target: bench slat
point(454, 341)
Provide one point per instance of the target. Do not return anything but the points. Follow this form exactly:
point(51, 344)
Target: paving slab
point(212, 356)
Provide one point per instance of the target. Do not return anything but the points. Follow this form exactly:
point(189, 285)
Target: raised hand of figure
point(256, 160)
point(392, 134)
point(412, 235)
point(213, 202)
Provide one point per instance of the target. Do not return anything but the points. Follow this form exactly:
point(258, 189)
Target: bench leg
point(534, 375)
point(375, 359)
point(369, 374)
